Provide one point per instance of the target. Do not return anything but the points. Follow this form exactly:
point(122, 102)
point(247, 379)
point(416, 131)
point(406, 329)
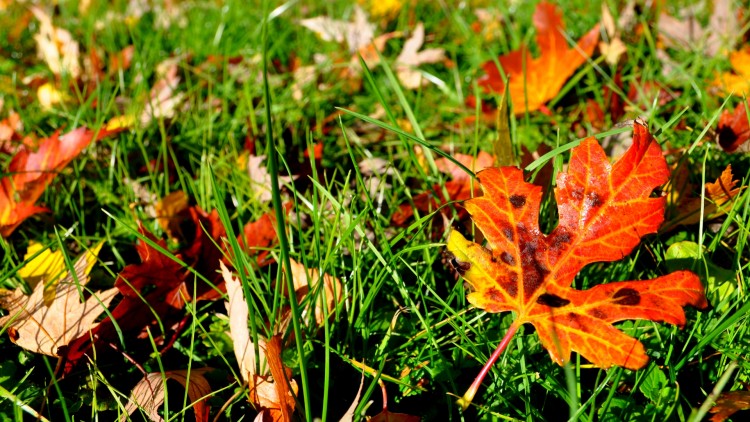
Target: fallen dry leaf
point(48, 328)
point(324, 292)
point(604, 209)
point(149, 394)
point(357, 34)
point(56, 46)
point(163, 99)
point(534, 81)
point(260, 178)
point(385, 9)
point(730, 403)
point(613, 47)
point(723, 30)
point(49, 96)
point(349, 415)
point(411, 58)
point(168, 210)
point(10, 129)
point(715, 201)
point(274, 400)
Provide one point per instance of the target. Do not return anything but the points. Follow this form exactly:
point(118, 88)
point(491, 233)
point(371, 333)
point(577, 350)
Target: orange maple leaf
point(534, 81)
point(604, 210)
point(739, 80)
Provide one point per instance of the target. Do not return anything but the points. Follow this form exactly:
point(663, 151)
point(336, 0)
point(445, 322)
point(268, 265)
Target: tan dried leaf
point(56, 46)
point(149, 393)
point(265, 392)
point(43, 328)
point(325, 292)
point(411, 58)
point(357, 33)
point(163, 99)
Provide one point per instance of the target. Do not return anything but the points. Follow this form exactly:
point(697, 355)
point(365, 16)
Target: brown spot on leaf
point(512, 287)
point(495, 295)
point(597, 313)
point(627, 296)
point(517, 201)
point(553, 301)
point(577, 194)
point(593, 200)
point(561, 238)
point(574, 321)
point(508, 232)
point(508, 258)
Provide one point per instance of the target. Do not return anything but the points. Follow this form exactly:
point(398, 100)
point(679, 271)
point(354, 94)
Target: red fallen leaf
point(534, 81)
point(259, 236)
point(154, 288)
point(203, 253)
point(153, 291)
point(159, 286)
point(481, 161)
point(428, 202)
point(604, 209)
point(730, 403)
point(733, 129)
point(31, 172)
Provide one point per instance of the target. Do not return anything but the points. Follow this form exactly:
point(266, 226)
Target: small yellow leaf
point(123, 121)
point(49, 96)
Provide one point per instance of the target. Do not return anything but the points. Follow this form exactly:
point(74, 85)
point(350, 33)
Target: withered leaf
point(47, 327)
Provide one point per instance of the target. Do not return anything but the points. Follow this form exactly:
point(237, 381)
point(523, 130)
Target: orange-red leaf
point(733, 129)
point(604, 209)
point(534, 81)
point(31, 172)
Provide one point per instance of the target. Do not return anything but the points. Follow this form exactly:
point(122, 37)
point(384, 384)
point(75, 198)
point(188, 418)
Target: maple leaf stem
point(465, 401)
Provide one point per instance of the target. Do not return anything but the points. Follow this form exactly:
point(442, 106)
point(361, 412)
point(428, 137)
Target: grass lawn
point(200, 127)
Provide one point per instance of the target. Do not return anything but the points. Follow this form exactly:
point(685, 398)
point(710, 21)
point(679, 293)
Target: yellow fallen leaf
point(47, 267)
point(387, 9)
point(49, 96)
point(124, 121)
point(739, 81)
point(44, 328)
